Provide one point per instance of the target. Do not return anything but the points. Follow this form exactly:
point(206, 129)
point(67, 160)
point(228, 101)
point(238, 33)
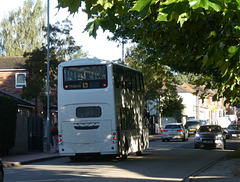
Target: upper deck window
point(85, 77)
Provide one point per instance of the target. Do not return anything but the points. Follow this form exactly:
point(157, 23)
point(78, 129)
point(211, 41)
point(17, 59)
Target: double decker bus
point(101, 109)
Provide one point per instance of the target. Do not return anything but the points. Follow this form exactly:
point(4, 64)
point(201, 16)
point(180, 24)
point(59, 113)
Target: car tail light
point(165, 131)
point(180, 130)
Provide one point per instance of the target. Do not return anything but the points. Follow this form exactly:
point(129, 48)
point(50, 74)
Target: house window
point(20, 80)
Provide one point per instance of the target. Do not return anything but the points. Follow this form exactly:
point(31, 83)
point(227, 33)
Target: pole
point(122, 51)
point(48, 121)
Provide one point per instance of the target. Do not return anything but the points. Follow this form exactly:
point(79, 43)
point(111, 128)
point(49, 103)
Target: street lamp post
point(48, 120)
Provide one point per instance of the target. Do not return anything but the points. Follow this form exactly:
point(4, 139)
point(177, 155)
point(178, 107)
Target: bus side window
point(141, 83)
point(123, 113)
point(138, 82)
point(134, 82)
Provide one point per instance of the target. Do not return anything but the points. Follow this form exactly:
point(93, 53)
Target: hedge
point(8, 118)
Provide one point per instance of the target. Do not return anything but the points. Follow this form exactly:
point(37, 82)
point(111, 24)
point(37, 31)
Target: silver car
point(174, 131)
point(210, 136)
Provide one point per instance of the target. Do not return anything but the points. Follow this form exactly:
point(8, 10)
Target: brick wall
point(7, 82)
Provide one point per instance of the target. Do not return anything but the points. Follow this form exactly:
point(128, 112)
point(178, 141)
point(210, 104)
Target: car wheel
point(163, 140)
point(223, 147)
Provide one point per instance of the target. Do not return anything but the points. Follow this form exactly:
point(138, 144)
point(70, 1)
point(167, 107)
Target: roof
point(13, 62)
point(201, 90)
point(20, 101)
point(181, 89)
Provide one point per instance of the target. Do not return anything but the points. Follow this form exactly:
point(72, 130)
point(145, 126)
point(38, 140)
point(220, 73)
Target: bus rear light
point(164, 130)
point(60, 139)
point(114, 136)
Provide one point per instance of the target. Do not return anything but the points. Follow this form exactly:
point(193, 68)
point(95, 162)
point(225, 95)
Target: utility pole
point(48, 120)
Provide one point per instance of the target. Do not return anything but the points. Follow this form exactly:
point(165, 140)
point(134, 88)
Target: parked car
point(233, 130)
point(174, 131)
point(210, 136)
point(193, 126)
point(1, 171)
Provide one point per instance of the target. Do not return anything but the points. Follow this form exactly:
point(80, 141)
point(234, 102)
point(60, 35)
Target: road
point(163, 161)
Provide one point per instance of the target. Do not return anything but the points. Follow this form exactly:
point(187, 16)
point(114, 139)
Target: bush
point(8, 117)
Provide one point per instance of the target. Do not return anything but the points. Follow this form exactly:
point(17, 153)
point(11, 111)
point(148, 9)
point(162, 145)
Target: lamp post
point(160, 114)
point(48, 121)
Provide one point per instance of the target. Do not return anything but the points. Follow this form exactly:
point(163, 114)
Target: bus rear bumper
point(110, 149)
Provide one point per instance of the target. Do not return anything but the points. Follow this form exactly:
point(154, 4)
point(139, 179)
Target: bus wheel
point(126, 147)
point(140, 152)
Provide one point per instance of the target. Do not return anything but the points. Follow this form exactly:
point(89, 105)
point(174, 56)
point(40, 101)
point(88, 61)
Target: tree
point(63, 43)
point(62, 47)
point(160, 83)
point(22, 30)
point(199, 36)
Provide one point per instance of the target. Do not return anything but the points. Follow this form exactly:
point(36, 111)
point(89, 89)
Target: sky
point(99, 47)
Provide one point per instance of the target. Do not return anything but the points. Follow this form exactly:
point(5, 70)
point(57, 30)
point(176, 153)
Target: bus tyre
point(126, 147)
point(140, 152)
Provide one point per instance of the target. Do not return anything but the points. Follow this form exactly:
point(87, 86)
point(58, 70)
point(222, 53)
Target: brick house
point(13, 79)
point(206, 108)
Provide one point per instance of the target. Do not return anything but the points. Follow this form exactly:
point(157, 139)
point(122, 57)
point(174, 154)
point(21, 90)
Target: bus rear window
point(85, 77)
point(88, 112)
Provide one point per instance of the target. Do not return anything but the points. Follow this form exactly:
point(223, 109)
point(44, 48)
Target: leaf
point(105, 4)
point(92, 28)
point(143, 7)
point(73, 5)
point(106, 23)
point(206, 4)
point(232, 51)
point(174, 10)
point(162, 16)
point(182, 18)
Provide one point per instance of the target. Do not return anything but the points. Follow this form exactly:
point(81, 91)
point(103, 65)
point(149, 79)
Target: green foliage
point(36, 65)
point(62, 47)
point(62, 42)
point(8, 113)
point(159, 83)
point(200, 37)
point(21, 30)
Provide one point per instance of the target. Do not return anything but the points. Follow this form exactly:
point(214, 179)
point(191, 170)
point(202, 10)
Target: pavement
point(224, 170)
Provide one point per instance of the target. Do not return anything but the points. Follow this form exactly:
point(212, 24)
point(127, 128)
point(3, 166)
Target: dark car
point(1, 171)
point(192, 126)
point(233, 130)
point(210, 136)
